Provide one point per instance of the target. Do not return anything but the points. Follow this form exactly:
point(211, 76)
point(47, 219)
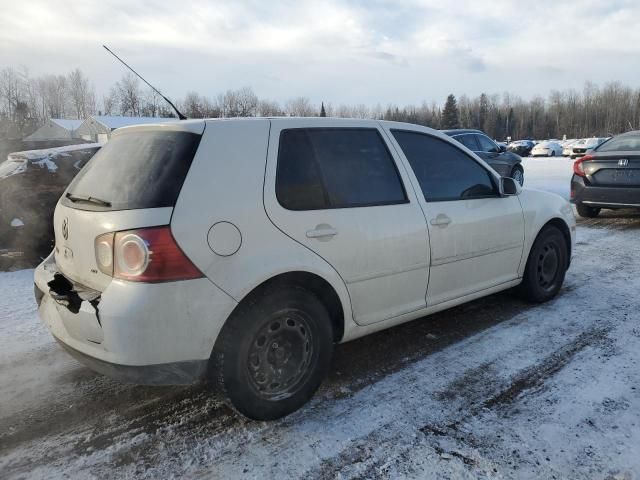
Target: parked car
point(521, 148)
point(242, 250)
point(546, 149)
point(567, 147)
point(582, 147)
point(506, 163)
point(608, 176)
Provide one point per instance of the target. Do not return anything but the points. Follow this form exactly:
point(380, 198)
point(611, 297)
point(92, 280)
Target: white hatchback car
point(242, 250)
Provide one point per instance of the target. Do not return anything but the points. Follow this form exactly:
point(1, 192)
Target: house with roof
point(55, 129)
point(98, 128)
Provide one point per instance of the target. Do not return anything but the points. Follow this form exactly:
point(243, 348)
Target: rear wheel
point(586, 211)
point(273, 352)
point(546, 266)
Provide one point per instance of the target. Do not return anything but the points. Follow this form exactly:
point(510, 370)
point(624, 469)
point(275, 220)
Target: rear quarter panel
point(225, 184)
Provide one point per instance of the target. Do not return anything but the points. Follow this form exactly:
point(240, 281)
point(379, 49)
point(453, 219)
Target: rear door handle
point(322, 231)
point(441, 220)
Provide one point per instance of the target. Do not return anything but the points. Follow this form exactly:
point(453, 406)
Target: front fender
point(540, 208)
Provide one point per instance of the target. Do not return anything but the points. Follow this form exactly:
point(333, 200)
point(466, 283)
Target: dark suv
point(507, 164)
point(608, 176)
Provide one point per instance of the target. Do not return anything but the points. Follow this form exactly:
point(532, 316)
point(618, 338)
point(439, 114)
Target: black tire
point(517, 173)
point(273, 352)
point(586, 211)
point(546, 266)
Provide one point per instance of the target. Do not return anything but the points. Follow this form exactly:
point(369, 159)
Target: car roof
point(460, 131)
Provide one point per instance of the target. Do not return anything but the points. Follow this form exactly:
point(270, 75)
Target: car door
point(338, 191)
point(476, 236)
point(490, 153)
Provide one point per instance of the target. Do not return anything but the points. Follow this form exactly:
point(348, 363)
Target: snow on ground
point(496, 388)
point(552, 174)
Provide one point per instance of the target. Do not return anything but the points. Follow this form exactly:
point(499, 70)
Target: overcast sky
point(360, 51)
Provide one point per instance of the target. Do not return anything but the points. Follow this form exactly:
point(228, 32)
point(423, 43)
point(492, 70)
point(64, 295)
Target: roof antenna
point(180, 115)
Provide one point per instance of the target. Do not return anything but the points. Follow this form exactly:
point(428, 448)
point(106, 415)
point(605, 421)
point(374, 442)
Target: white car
point(582, 147)
point(567, 147)
point(242, 250)
point(546, 149)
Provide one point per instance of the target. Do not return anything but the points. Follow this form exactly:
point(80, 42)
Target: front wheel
point(273, 352)
point(518, 175)
point(586, 211)
point(546, 266)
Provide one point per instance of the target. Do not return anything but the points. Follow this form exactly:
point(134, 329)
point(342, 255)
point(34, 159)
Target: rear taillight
point(577, 165)
point(144, 255)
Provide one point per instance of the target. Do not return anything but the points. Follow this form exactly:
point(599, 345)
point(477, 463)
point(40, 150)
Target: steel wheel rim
point(518, 176)
point(548, 266)
point(279, 355)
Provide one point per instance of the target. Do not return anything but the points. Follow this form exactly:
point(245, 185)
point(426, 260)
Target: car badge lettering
point(623, 162)
point(65, 229)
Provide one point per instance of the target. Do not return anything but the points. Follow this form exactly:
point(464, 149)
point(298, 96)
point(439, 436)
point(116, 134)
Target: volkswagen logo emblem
point(65, 229)
point(623, 162)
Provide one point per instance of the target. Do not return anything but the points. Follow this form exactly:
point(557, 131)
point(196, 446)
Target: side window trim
point(492, 177)
point(328, 206)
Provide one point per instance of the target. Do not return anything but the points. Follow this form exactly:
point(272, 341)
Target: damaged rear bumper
point(134, 332)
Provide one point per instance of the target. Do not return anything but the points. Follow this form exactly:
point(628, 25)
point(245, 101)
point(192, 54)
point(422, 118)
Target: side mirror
point(509, 187)
point(502, 149)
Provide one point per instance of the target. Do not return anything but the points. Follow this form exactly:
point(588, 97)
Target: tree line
point(26, 102)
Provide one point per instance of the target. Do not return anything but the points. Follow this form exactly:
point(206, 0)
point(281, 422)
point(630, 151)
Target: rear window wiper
point(85, 198)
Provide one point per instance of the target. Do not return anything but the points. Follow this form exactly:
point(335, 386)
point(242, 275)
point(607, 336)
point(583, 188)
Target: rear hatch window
point(134, 170)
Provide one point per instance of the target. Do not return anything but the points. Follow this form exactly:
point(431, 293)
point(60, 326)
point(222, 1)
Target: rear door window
point(444, 171)
point(139, 169)
point(468, 141)
point(322, 168)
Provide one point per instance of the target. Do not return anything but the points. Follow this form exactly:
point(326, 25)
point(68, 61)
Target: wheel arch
point(313, 283)
point(561, 225)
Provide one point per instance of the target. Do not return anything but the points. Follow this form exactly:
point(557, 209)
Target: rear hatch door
point(132, 182)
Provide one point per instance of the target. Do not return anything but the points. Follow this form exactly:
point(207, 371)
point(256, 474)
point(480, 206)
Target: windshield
point(623, 143)
point(134, 170)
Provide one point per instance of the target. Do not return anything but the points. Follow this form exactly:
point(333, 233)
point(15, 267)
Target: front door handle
point(441, 220)
point(322, 231)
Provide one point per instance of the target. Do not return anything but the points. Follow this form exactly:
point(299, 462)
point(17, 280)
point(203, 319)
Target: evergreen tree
point(450, 117)
point(323, 113)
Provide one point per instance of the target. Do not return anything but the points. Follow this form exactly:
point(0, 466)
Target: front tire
point(273, 352)
point(546, 266)
point(518, 175)
point(586, 211)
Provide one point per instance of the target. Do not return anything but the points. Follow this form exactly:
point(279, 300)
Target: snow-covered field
point(496, 388)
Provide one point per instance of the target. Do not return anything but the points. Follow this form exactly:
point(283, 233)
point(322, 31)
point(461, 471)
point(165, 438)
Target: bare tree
point(300, 107)
point(110, 102)
point(81, 94)
point(268, 108)
point(247, 102)
point(129, 96)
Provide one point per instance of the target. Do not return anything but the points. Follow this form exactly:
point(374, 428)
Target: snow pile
point(17, 162)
